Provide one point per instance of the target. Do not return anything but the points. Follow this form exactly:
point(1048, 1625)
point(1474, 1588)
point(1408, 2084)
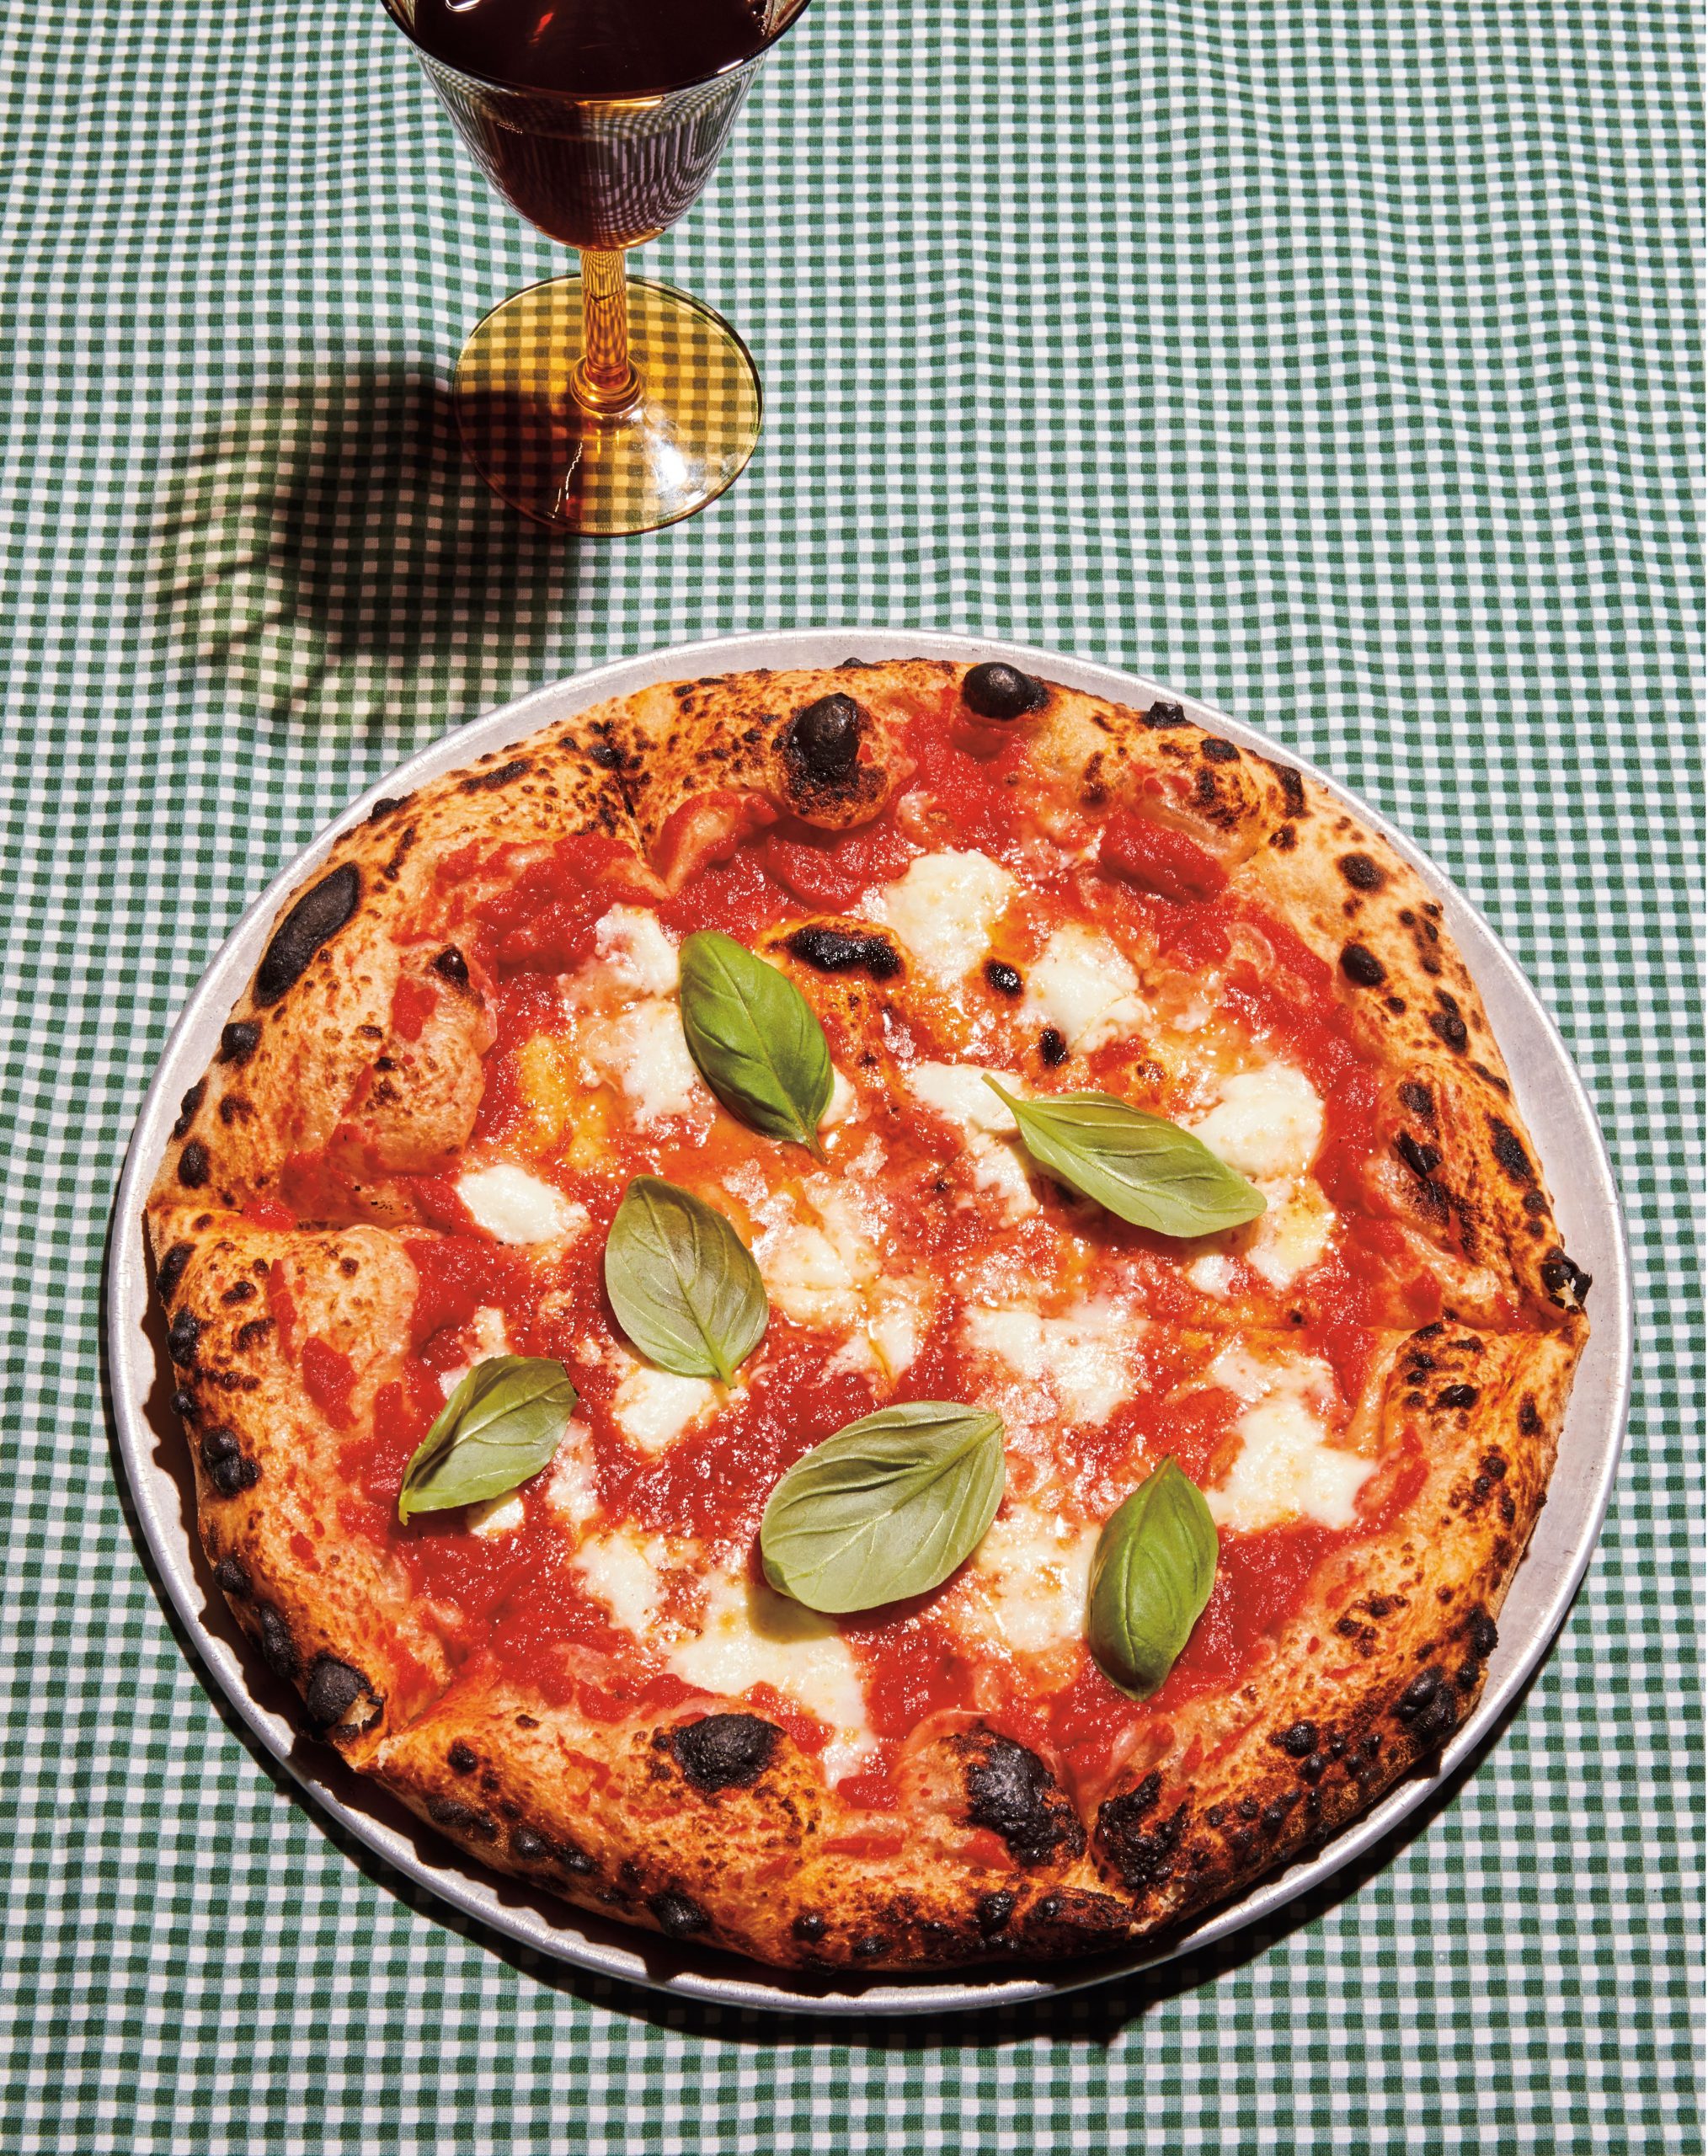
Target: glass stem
point(604, 380)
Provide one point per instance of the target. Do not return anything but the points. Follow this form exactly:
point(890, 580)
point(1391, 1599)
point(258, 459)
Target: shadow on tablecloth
point(321, 555)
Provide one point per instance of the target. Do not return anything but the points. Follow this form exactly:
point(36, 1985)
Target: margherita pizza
point(881, 1317)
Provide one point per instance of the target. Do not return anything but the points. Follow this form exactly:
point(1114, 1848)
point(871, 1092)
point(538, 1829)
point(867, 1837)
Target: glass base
point(677, 446)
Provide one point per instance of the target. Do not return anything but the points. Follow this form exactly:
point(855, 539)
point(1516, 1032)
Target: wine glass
point(600, 403)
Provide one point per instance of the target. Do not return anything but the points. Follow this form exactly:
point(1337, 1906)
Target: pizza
point(1037, 957)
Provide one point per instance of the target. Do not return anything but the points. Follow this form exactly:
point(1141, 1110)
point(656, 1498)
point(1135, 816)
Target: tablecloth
point(1338, 363)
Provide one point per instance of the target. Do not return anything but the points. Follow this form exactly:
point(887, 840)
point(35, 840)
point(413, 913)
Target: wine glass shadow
point(323, 555)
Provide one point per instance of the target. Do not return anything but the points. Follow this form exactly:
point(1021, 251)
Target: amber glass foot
point(588, 441)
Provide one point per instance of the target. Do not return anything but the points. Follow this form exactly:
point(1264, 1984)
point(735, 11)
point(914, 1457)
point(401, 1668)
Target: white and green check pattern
point(1336, 363)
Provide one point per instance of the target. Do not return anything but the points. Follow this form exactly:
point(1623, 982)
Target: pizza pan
point(1555, 1108)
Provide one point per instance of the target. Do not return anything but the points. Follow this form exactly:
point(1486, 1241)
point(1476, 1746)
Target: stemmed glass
point(601, 403)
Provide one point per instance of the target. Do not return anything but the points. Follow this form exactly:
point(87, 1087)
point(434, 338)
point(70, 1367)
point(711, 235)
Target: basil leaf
point(683, 1284)
point(1142, 1167)
point(500, 1426)
point(755, 1039)
point(886, 1508)
point(1151, 1575)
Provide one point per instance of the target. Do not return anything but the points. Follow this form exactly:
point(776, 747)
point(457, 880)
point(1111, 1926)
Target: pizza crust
point(708, 1822)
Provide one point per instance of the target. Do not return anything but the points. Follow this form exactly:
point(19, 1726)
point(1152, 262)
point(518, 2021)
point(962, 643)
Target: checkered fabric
point(1336, 363)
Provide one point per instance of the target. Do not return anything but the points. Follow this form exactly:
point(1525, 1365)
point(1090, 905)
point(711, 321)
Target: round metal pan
point(1554, 1106)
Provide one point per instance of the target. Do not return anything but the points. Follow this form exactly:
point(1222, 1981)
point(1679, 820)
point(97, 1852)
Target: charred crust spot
point(1510, 1153)
point(1534, 1203)
point(1448, 1023)
point(1163, 714)
point(1492, 1078)
point(1204, 787)
point(606, 754)
point(183, 1406)
point(1480, 1630)
point(1312, 1769)
point(1361, 872)
point(239, 1041)
point(188, 1105)
point(1285, 839)
point(170, 1277)
point(317, 916)
point(387, 804)
point(526, 1845)
point(278, 1648)
point(1418, 1099)
point(1052, 1047)
point(332, 1688)
point(997, 690)
point(1457, 1395)
point(490, 782)
point(232, 1577)
point(841, 951)
point(193, 1165)
point(821, 749)
point(1421, 1159)
point(461, 1758)
point(1530, 1422)
point(1566, 1283)
point(1144, 1859)
point(1218, 750)
point(1291, 787)
point(676, 1915)
point(810, 1927)
point(251, 1336)
point(461, 1819)
point(724, 1751)
point(183, 1340)
point(452, 966)
point(1276, 1811)
point(1002, 977)
point(226, 1465)
point(869, 1947)
point(1010, 1791)
point(993, 1912)
point(1427, 1706)
point(1361, 966)
point(1300, 1741)
point(234, 1108)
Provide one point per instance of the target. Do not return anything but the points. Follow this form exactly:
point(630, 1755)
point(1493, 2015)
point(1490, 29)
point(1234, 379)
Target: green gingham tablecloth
point(1338, 364)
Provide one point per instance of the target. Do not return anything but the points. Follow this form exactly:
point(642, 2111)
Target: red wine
point(597, 48)
point(594, 175)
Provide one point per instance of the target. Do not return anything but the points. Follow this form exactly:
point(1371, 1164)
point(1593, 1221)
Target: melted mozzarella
point(654, 1408)
point(622, 1569)
point(808, 1277)
point(844, 1102)
point(1294, 1233)
point(633, 949)
point(518, 1207)
point(1085, 1355)
point(957, 1091)
point(1213, 1274)
point(752, 1636)
point(572, 1491)
point(1267, 1123)
point(497, 1516)
point(644, 1050)
point(1286, 1467)
point(944, 909)
point(1029, 1580)
point(490, 1339)
point(1083, 986)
